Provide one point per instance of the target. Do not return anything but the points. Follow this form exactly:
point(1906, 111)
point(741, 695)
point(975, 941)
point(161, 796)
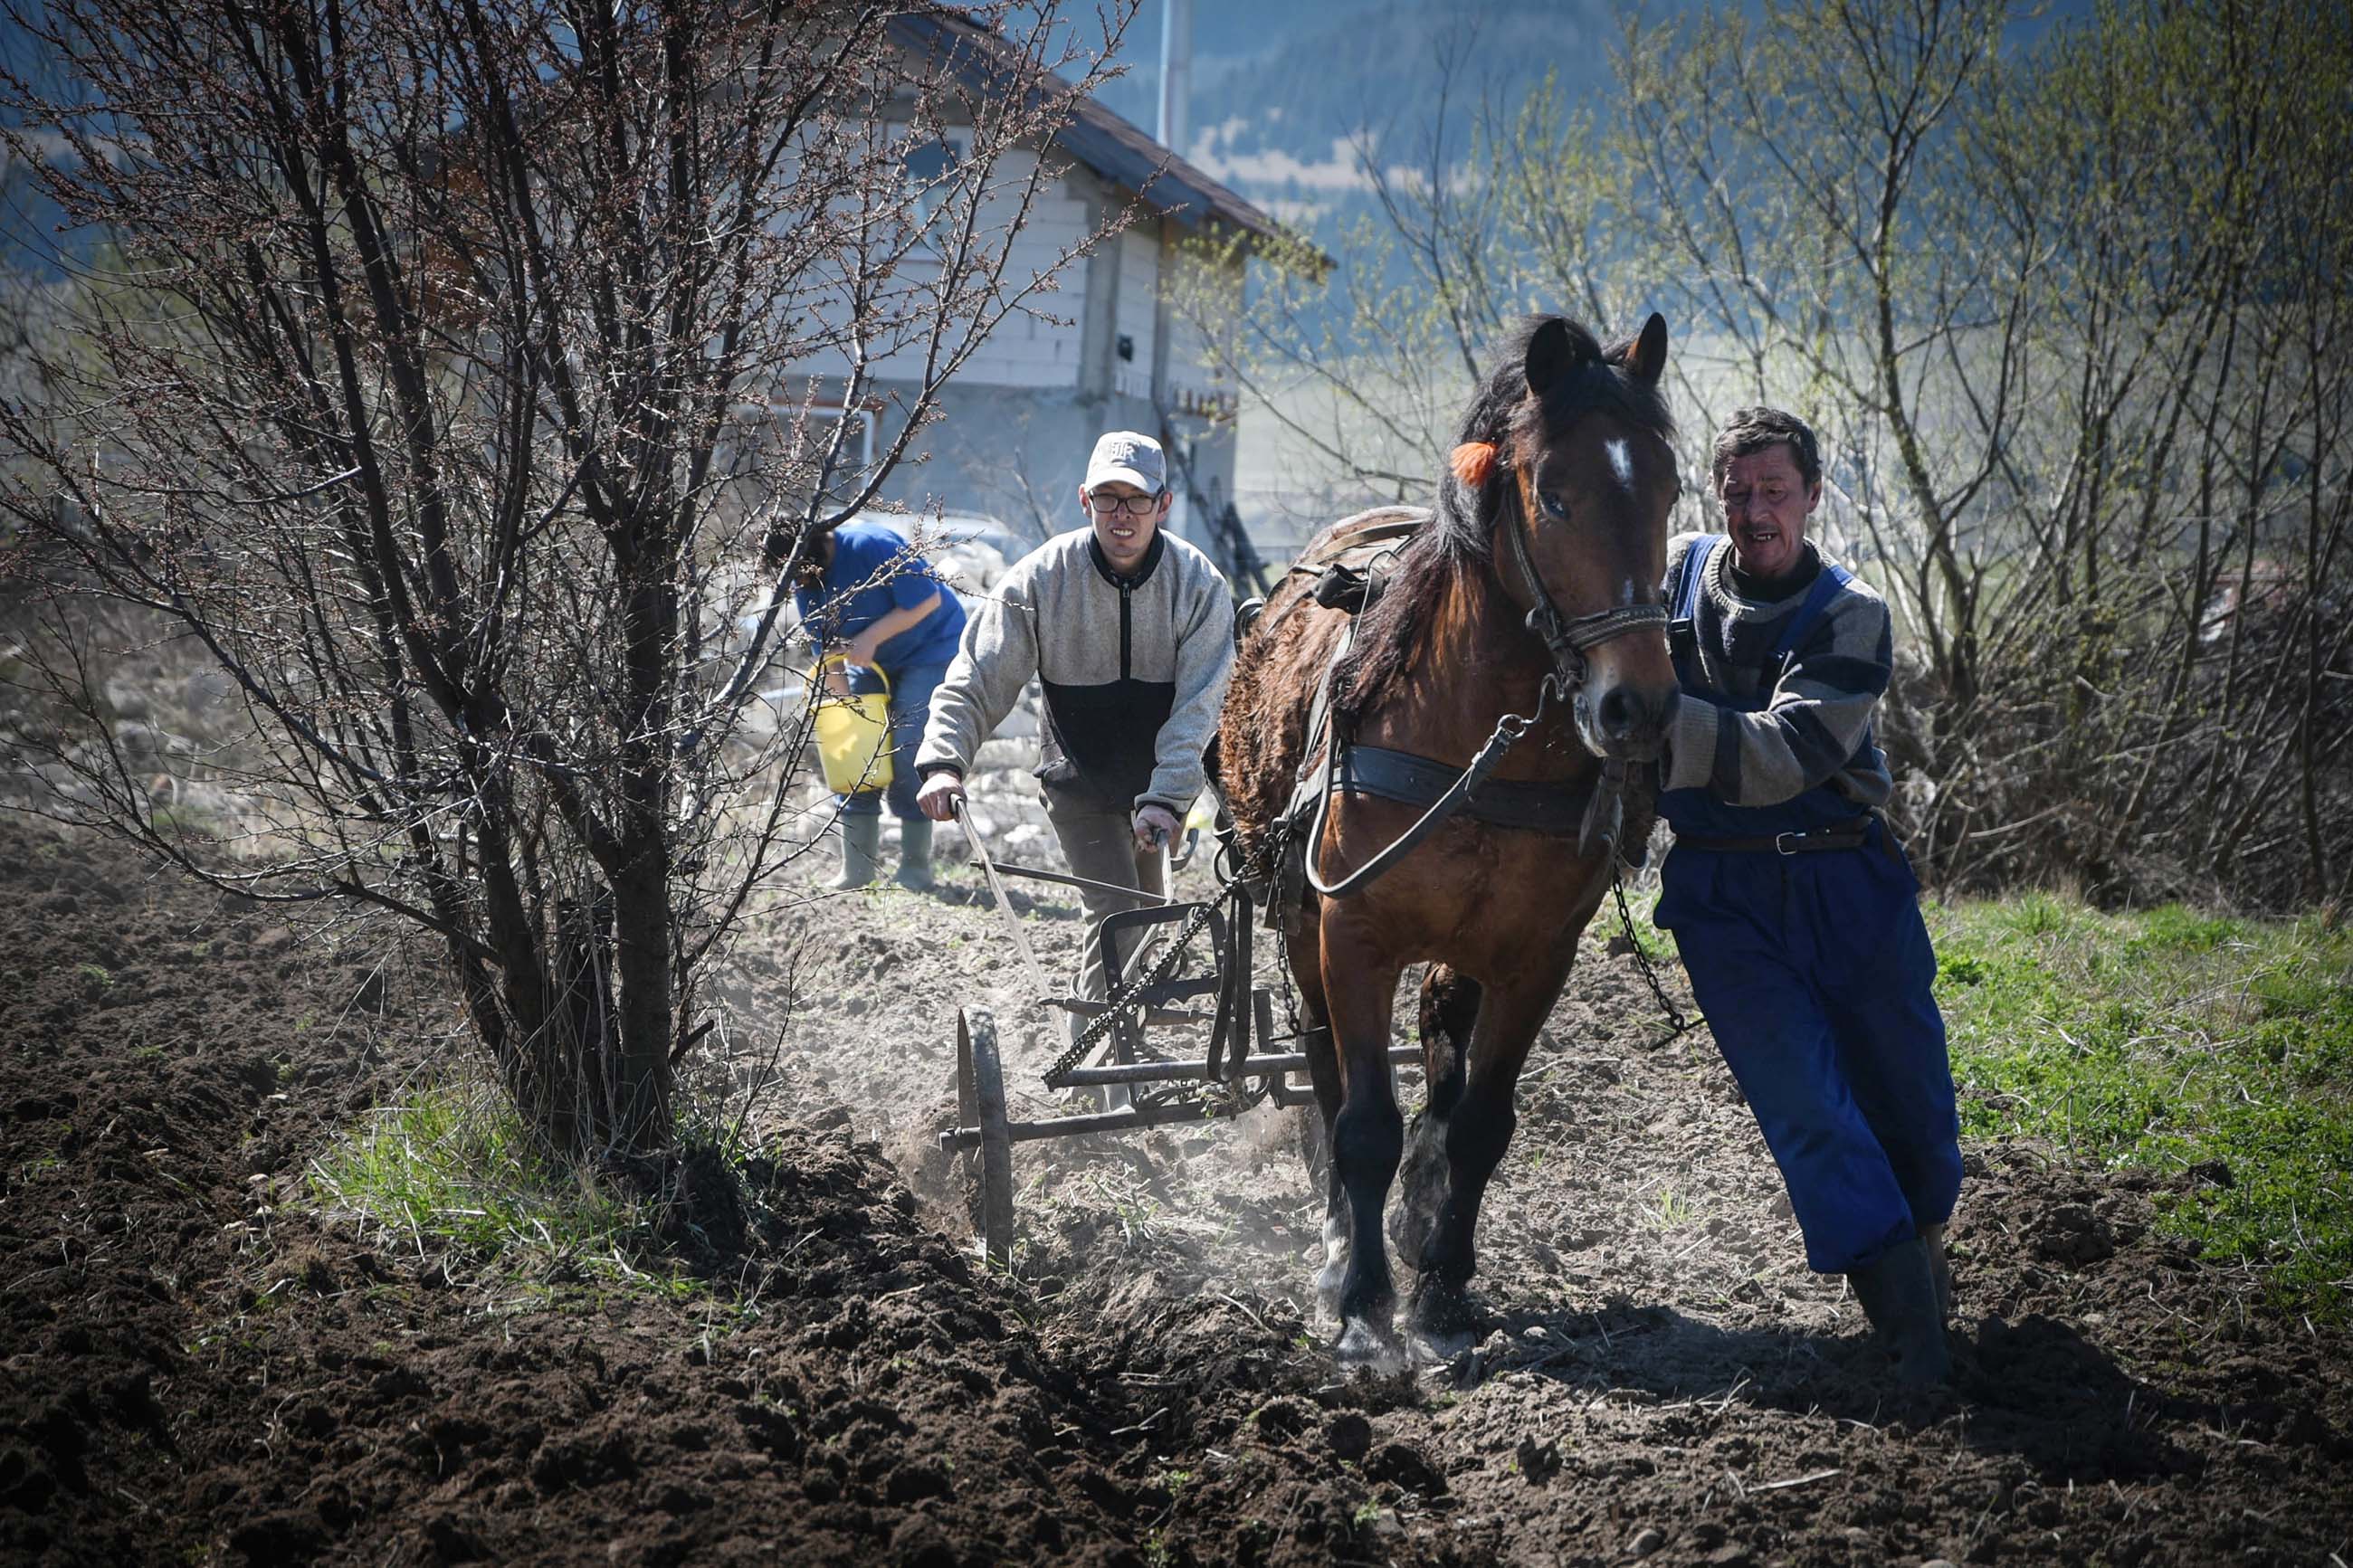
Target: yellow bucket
point(853, 734)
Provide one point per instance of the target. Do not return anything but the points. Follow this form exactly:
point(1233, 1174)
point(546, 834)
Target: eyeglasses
point(1112, 506)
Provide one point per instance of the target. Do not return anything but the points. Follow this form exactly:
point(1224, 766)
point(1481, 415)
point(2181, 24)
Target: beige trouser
point(1100, 845)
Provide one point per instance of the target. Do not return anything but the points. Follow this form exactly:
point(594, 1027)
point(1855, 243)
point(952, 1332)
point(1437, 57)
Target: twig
point(1805, 1480)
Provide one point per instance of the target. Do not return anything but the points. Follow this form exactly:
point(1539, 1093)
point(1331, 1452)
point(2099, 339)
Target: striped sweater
point(1813, 717)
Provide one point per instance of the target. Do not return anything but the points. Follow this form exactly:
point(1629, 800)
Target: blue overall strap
point(1683, 631)
point(1827, 587)
point(1696, 560)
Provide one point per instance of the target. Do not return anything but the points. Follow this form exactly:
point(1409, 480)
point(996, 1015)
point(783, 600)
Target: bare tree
point(2072, 320)
point(462, 358)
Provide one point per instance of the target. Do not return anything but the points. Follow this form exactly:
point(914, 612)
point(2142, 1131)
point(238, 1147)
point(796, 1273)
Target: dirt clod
point(1349, 1435)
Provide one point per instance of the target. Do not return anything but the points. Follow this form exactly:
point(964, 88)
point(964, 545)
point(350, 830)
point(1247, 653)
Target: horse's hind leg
point(1450, 1005)
point(1476, 1135)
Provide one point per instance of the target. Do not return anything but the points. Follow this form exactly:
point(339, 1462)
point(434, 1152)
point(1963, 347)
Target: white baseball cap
point(1125, 455)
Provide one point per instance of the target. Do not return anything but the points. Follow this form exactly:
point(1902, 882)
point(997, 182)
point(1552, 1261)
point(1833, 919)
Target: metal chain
point(1128, 994)
point(1642, 959)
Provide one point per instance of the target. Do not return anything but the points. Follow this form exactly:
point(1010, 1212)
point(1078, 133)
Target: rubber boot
point(861, 844)
point(1940, 1269)
point(915, 855)
point(1900, 1298)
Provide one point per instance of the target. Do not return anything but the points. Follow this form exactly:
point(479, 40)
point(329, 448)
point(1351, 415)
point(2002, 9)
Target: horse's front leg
point(1304, 950)
point(1368, 1134)
point(1476, 1136)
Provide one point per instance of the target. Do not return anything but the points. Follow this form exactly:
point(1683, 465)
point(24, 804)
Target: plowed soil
point(204, 1363)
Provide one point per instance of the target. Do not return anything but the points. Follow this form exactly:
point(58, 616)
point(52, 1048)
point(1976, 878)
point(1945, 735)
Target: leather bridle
point(1565, 639)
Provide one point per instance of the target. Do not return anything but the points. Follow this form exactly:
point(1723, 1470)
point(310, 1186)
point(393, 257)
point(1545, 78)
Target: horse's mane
point(1459, 537)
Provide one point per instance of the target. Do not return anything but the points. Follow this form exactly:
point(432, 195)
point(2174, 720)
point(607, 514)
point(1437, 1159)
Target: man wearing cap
point(1794, 911)
point(1130, 631)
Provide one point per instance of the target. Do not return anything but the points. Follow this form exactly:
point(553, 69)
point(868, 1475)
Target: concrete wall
point(1015, 426)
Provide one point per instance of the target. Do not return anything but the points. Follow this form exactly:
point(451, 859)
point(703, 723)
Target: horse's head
point(1569, 448)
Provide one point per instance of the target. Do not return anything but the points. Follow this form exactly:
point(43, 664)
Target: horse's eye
point(1553, 504)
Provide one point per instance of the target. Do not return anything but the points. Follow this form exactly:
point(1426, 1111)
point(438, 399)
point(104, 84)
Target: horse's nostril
point(1617, 713)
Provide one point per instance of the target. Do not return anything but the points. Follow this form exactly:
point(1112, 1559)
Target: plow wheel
point(980, 1098)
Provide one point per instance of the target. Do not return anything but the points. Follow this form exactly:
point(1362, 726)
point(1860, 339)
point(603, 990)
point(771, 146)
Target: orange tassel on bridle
point(1474, 462)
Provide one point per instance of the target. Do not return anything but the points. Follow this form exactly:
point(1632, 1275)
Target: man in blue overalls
point(1796, 917)
point(866, 594)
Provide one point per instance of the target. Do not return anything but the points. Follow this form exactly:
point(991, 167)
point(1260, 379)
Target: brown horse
point(1567, 446)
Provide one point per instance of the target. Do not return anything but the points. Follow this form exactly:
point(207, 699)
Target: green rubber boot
point(915, 855)
point(1899, 1296)
point(861, 844)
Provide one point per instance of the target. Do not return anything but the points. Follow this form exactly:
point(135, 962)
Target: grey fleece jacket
point(1133, 668)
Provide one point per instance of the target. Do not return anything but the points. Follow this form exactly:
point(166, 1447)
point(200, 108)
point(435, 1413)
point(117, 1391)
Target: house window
point(931, 168)
point(859, 448)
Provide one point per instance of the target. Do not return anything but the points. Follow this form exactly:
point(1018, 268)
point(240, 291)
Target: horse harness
point(1351, 578)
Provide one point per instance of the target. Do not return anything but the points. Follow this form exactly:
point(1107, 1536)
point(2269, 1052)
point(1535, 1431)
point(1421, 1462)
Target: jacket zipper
point(1125, 630)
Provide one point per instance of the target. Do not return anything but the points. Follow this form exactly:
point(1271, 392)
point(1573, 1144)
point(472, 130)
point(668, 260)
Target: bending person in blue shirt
point(866, 594)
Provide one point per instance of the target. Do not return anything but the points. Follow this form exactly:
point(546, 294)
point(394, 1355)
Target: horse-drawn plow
point(1188, 966)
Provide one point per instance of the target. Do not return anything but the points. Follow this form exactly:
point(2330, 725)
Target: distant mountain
point(1281, 92)
point(1280, 95)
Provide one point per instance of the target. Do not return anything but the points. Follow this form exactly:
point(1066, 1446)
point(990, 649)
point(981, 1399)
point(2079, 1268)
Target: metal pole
point(1142, 899)
point(1020, 938)
point(957, 1139)
point(1176, 74)
point(960, 1138)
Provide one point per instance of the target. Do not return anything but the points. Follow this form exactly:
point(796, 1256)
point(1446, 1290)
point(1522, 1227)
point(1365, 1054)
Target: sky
point(1279, 89)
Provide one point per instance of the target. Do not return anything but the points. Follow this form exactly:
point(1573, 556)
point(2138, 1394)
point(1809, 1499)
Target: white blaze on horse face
point(1621, 462)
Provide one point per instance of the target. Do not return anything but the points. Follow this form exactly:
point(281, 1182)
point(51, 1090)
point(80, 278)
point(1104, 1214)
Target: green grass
point(2167, 1039)
point(452, 1166)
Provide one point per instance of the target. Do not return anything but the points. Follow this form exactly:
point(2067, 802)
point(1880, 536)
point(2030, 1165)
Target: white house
point(1020, 417)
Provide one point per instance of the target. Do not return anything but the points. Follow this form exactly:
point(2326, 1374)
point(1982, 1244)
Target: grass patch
point(2176, 1042)
point(452, 1164)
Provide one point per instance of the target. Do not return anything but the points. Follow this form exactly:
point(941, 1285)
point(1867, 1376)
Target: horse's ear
point(1647, 360)
point(1550, 354)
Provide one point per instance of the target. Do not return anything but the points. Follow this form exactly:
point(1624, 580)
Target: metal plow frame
point(1242, 1067)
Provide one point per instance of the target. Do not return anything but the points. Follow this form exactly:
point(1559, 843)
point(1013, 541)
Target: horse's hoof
point(1365, 1346)
point(1445, 1314)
